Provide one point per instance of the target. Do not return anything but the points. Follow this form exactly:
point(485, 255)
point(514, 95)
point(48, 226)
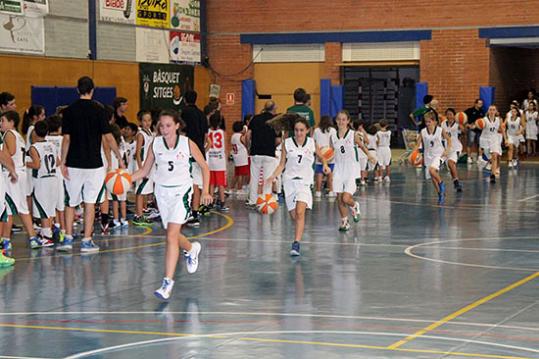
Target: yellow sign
point(153, 13)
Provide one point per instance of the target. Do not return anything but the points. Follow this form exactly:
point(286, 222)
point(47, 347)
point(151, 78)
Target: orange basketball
point(480, 123)
point(118, 181)
point(416, 158)
point(266, 204)
point(327, 153)
point(462, 118)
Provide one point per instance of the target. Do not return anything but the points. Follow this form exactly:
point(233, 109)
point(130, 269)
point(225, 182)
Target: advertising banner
point(162, 85)
point(184, 47)
point(152, 45)
point(13, 7)
point(22, 34)
point(185, 15)
point(117, 11)
point(153, 13)
point(36, 8)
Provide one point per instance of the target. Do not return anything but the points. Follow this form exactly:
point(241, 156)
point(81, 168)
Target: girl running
point(434, 153)
point(169, 154)
point(344, 143)
point(452, 129)
point(297, 158)
point(491, 140)
point(321, 137)
point(514, 136)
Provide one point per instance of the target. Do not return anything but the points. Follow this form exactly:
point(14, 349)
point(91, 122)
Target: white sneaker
point(386, 179)
point(488, 167)
point(345, 226)
point(318, 194)
point(510, 164)
point(376, 179)
point(332, 194)
point(362, 182)
point(191, 259)
point(163, 293)
point(356, 212)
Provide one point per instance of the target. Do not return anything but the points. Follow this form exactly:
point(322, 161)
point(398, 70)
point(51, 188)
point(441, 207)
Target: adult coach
point(473, 113)
point(263, 142)
point(84, 126)
point(196, 129)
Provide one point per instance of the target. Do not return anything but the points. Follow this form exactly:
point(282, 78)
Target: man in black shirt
point(196, 129)
point(263, 141)
point(473, 135)
point(84, 126)
point(120, 108)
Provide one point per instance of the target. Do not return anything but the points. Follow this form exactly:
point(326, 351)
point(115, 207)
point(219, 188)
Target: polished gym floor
point(411, 280)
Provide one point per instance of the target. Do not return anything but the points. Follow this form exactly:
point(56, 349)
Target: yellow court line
point(229, 223)
point(261, 340)
point(462, 311)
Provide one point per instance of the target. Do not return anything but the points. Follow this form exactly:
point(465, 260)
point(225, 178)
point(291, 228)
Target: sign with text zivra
point(163, 85)
point(153, 13)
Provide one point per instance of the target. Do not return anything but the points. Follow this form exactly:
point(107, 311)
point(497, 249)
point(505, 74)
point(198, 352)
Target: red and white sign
point(230, 97)
point(184, 46)
point(119, 11)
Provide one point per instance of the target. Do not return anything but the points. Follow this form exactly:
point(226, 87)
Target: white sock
point(87, 239)
point(47, 232)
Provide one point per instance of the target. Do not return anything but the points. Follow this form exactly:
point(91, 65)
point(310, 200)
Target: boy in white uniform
point(383, 150)
point(170, 156)
point(217, 161)
point(54, 124)
point(240, 157)
point(44, 164)
point(7, 163)
point(16, 191)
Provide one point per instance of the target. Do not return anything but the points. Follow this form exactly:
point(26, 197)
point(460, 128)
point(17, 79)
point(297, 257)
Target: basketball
point(480, 123)
point(462, 118)
point(327, 153)
point(266, 204)
point(416, 158)
point(118, 181)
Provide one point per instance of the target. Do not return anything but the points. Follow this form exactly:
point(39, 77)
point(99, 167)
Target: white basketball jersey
point(513, 126)
point(28, 141)
point(491, 128)
point(323, 139)
point(360, 152)
point(216, 154)
point(384, 138)
point(453, 132)
point(299, 160)
point(172, 165)
point(48, 155)
point(56, 140)
point(432, 142)
point(148, 138)
point(129, 156)
point(239, 151)
point(19, 157)
point(345, 149)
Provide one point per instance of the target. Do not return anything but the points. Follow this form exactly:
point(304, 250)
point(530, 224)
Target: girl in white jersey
point(321, 137)
point(513, 134)
point(240, 157)
point(7, 163)
point(15, 192)
point(363, 159)
point(32, 115)
point(383, 150)
point(532, 120)
point(491, 140)
point(169, 154)
point(143, 187)
point(452, 129)
point(434, 154)
point(344, 143)
point(297, 158)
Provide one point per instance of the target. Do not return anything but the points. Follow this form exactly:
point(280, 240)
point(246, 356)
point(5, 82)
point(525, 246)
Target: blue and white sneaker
point(163, 293)
point(191, 257)
point(35, 242)
point(6, 244)
point(441, 195)
point(294, 252)
point(65, 245)
point(88, 246)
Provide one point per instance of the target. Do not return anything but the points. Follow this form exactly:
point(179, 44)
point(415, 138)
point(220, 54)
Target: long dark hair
point(34, 110)
point(325, 123)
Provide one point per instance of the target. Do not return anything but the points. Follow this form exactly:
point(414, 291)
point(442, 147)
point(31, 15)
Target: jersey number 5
point(170, 166)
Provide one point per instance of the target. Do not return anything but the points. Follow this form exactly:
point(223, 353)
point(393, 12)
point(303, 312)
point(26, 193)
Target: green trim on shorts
point(3, 217)
point(42, 214)
point(100, 194)
point(140, 188)
point(66, 197)
point(114, 197)
point(186, 203)
point(11, 204)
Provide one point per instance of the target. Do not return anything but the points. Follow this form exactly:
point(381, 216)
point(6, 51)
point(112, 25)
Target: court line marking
point(492, 249)
point(528, 198)
point(302, 342)
point(466, 309)
point(409, 252)
point(12, 357)
point(229, 223)
point(269, 314)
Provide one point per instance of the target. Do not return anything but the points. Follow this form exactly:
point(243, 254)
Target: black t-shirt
point(196, 125)
point(121, 121)
point(473, 114)
point(85, 121)
point(262, 136)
